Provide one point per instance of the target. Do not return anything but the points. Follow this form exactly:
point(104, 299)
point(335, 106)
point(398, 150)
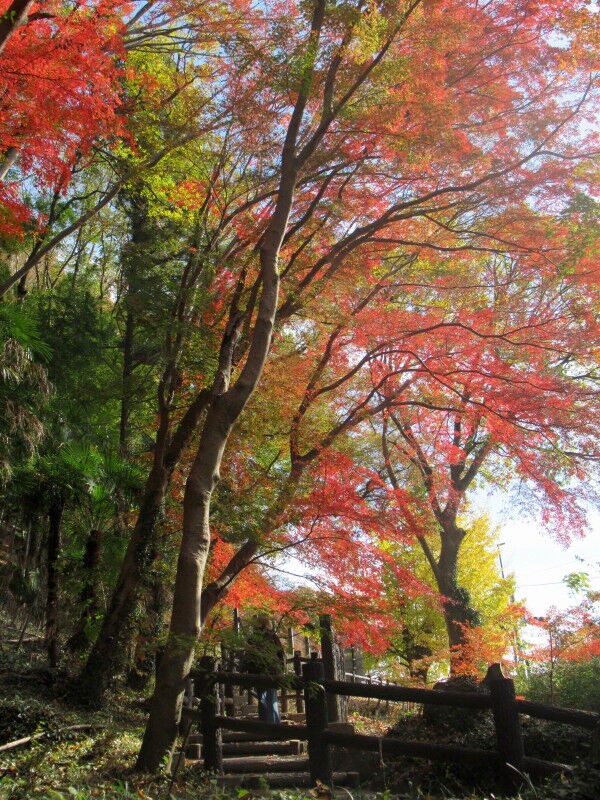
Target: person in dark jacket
point(265, 656)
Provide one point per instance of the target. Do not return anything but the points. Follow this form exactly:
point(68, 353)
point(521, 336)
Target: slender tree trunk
point(54, 541)
point(154, 602)
point(126, 384)
point(175, 664)
point(161, 730)
point(88, 599)
point(226, 407)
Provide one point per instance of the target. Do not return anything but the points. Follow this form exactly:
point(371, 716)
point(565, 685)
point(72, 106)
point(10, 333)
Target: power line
point(551, 583)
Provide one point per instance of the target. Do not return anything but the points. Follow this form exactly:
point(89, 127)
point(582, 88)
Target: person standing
point(265, 656)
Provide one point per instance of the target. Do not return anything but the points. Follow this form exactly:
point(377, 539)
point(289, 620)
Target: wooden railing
point(508, 758)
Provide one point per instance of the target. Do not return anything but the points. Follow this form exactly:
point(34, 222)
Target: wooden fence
point(508, 758)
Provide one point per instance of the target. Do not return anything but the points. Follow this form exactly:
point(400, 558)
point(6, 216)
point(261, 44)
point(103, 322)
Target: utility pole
point(516, 642)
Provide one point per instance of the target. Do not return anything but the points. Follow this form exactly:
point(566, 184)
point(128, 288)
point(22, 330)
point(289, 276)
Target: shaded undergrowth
point(98, 762)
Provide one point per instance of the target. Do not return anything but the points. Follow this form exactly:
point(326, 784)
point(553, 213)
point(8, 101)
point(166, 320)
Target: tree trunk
point(185, 627)
point(226, 407)
point(126, 384)
point(109, 653)
point(54, 541)
point(154, 602)
point(14, 16)
point(176, 662)
point(88, 599)
point(458, 615)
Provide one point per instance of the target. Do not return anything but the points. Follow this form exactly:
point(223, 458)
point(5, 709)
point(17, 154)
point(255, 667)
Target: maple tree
point(447, 368)
point(60, 87)
point(297, 171)
point(502, 394)
point(326, 83)
point(86, 125)
point(569, 637)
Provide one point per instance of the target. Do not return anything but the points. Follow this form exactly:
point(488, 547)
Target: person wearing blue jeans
point(265, 656)
point(268, 709)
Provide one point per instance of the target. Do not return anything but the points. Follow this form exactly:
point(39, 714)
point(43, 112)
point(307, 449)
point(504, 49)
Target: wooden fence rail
point(508, 757)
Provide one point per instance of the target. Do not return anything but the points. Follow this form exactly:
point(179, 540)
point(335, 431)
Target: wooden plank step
point(292, 747)
point(283, 780)
point(242, 736)
point(233, 736)
point(262, 764)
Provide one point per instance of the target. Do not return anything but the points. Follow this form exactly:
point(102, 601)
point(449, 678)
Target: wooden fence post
point(316, 721)
point(212, 750)
point(228, 661)
point(334, 671)
point(298, 673)
point(509, 738)
point(283, 692)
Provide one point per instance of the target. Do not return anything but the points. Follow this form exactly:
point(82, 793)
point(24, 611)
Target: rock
point(456, 719)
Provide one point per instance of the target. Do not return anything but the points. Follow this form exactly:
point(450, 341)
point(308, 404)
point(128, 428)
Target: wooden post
point(508, 731)
point(283, 692)
point(316, 721)
point(307, 646)
point(227, 659)
point(378, 704)
point(298, 672)
point(212, 750)
point(334, 671)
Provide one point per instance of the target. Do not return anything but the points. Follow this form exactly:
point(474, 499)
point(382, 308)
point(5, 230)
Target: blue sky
point(538, 561)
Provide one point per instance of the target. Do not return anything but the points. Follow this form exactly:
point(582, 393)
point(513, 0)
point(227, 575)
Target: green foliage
point(17, 325)
point(422, 636)
point(575, 684)
point(24, 387)
point(84, 365)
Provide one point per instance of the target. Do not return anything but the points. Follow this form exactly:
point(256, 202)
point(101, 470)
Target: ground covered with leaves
point(562, 744)
point(83, 755)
